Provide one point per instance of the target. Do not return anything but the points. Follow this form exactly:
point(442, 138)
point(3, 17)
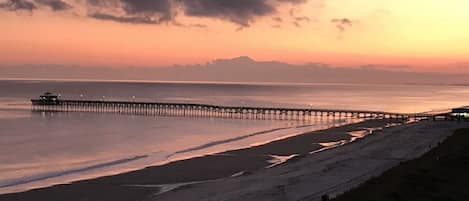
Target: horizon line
point(221, 82)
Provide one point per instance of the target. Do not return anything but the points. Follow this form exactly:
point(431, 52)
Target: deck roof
point(464, 109)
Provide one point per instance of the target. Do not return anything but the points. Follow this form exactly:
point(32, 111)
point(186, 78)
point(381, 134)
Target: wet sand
point(151, 183)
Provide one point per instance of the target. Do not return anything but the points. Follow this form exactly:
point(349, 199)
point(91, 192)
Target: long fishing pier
point(52, 103)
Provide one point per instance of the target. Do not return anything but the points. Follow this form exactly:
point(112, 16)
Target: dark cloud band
point(56, 5)
point(241, 12)
point(14, 5)
point(234, 11)
point(30, 5)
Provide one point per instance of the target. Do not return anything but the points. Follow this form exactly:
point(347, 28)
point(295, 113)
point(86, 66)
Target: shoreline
point(97, 170)
point(223, 165)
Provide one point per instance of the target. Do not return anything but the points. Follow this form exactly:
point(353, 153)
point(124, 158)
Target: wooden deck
point(206, 110)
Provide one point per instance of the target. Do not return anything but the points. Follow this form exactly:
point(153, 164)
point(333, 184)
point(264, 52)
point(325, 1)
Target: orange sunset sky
point(430, 35)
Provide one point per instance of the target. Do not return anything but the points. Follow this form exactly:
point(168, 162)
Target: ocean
point(42, 149)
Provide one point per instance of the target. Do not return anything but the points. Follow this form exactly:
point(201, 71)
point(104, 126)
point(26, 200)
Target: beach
point(303, 167)
point(330, 172)
point(440, 174)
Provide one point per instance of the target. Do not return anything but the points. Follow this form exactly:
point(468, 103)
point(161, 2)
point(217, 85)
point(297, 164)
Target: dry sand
point(331, 172)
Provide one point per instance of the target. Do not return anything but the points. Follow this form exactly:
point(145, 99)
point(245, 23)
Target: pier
point(52, 103)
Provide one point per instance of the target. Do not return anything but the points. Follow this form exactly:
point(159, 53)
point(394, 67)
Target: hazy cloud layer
point(242, 13)
point(244, 69)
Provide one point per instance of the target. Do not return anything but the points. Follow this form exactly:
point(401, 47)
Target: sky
point(430, 35)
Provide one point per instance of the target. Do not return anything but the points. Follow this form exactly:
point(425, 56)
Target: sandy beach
point(303, 167)
point(440, 174)
point(331, 172)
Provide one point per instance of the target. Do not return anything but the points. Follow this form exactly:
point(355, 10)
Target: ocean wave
point(214, 143)
point(242, 137)
point(229, 140)
point(29, 179)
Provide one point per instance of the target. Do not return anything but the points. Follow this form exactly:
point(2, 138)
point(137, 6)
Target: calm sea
point(41, 149)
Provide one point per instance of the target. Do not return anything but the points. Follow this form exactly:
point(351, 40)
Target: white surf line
point(238, 174)
point(389, 125)
point(228, 140)
point(411, 121)
point(163, 188)
point(371, 130)
point(357, 134)
point(222, 154)
point(329, 145)
point(277, 160)
point(297, 133)
point(263, 132)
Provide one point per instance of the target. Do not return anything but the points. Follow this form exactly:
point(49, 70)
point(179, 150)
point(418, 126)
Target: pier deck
point(206, 110)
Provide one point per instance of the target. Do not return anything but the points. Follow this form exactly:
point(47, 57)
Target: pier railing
point(206, 110)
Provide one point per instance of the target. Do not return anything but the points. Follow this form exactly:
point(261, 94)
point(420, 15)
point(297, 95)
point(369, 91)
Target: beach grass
point(442, 174)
